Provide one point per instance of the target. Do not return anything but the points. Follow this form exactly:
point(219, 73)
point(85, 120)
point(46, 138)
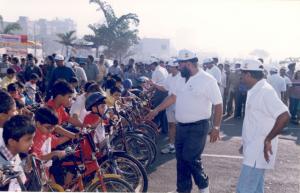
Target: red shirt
point(43, 143)
point(63, 116)
point(91, 119)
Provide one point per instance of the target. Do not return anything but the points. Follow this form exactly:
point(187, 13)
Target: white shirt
point(223, 79)
point(288, 81)
point(263, 106)
point(159, 75)
point(78, 107)
point(278, 83)
point(194, 98)
point(216, 73)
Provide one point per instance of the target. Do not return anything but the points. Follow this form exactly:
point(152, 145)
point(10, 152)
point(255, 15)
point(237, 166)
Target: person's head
point(90, 59)
point(221, 67)
point(30, 59)
point(18, 133)
point(21, 87)
point(72, 59)
point(15, 61)
point(7, 108)
point(115, 92)
point(292, 66)
point(87, 84)
point(93, 88)
point(273, 70)
point(118, 80)
point(62, 93)
point(208, 63)
point(116, 63)
point(12, 89)
point(101, 60)
point(237, 66)
point(252, 72)
point(227, 67)
point(50, 60)
point(45, 119)
point(59, 60)
point(127, 84)
point(110, 84)
point(131, 61)
point(297, 75)
point(188, 63)
point(20, 78)
point(10, 73)
point(282, 71)
point(162, 63)
point(4, 57)
point(74, 82)
point(34, 78)
point(153, 65)
point(172, 67)
point(215, 60)
point(23, 61)
point(95, 103)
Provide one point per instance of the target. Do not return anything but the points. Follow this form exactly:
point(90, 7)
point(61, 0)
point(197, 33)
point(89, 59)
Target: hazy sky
point(229, 28)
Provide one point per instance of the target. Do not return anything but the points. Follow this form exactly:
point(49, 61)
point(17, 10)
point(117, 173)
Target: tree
point(117, 33)
point(67, 39)
point(9, 28)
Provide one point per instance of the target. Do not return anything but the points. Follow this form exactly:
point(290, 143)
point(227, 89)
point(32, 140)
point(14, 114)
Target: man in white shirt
point(194, 96)
point(265, 117)
point(288, 83)
point(170, 82)
point(213, 70)
point(223, 79)
point(277, 82)
point(159, 76)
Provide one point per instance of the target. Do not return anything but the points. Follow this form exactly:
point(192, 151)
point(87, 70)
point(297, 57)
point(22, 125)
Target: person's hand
point(150, 116)
point(214, 135)
point(60, 154)
point(267, 149)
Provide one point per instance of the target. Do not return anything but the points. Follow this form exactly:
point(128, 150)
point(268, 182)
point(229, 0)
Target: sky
point(227, 28)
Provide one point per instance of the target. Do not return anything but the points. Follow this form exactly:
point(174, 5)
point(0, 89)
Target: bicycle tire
point(132, 162)
point(97, 186)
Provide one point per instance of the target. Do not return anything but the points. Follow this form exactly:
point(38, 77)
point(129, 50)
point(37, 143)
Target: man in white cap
point(277, 82)
point(170, 81)
point(265, 117)
point(213, 70)
point(194, 97)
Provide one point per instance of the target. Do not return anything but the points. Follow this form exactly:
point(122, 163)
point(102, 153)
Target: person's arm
point(157, 86)
point(281, 121)
point(215, 132)
point(76, 122)
point(165, 104)
point(58, 129)
point(49, 156)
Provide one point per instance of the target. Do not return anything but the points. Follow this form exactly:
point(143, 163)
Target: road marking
point(223, 156)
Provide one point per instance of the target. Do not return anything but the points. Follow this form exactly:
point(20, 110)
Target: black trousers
point(189, 143)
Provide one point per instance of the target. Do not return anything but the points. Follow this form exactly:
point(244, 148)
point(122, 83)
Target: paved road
point(222, 163)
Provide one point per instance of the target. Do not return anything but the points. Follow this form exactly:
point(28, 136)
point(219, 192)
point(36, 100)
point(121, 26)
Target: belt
point(193, 123)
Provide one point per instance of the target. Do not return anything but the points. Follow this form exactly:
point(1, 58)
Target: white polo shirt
point(216, 73)
point(278, 83)
point(78, 107)
point(263, 106)
point(159, 75)
point(194, 98)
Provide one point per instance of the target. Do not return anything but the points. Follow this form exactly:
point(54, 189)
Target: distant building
point(153, 47)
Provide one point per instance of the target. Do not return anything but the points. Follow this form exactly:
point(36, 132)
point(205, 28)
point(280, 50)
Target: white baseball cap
point(208, 61)
point(172, 63)
point(59, 57)
point(184, 55)
point(252, 65)
point(273, 69)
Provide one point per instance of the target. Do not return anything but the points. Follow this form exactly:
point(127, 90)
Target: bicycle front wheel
point(111, 185)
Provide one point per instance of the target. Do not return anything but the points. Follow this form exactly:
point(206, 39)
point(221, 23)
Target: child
point(74, 85)
point(62, 95)
point(30, 89)
point(114, 95)
point(18, 133)
point(9, 78)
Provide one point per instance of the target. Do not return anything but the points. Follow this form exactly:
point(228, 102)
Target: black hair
point(154, 63)
point(20, 84)
point(15, 60)
point(110, 84)
point(258, 75)
point(12, 87)
point(46, 115)
point(117, 78)
point(16, 127)
point(10, 71)
point(50, 58)
point(34, 76)
point(94, 88)
point(86, 85)
point(21, 77)
point(29, 57)
point(91, 58)
point(114, 90)
point(61, 87)
point(73, 80)
point(7, 102)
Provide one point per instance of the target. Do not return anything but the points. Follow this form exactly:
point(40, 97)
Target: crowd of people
point(188, 95)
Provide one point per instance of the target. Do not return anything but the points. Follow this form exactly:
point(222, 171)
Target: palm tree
point(115, 33)
point(67, 39)
point(9, 28)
